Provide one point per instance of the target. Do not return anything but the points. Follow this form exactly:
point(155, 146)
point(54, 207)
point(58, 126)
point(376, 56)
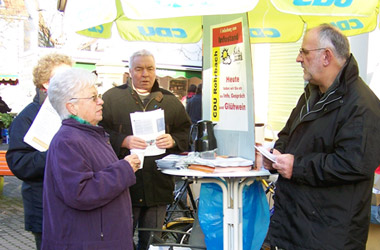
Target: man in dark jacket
point(25, 162)
point(327, 152)
point(153, 190)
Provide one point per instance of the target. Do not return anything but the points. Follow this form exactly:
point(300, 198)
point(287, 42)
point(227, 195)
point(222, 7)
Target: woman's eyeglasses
point(94, 97)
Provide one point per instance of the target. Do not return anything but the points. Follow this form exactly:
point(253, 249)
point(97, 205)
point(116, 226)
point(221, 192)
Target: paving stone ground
point(12, 233)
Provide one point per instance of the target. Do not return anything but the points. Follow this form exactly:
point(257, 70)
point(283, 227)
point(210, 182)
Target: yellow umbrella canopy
point(97, 21)
point(270, 21)
point(326, 7)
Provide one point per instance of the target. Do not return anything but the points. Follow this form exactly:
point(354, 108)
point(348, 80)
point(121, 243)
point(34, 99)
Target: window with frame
point(286, 83)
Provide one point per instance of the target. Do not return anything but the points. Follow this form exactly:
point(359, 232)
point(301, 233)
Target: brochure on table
point(174, 161)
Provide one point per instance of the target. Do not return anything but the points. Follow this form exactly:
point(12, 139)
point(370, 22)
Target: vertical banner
point(227, 95)
point(215, 100)
point(229, 84)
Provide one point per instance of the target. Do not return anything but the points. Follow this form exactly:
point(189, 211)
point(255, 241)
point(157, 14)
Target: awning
point(88, 66)
point(9, 79)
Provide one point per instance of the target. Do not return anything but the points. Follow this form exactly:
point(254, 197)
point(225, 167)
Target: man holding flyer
point(153, 190)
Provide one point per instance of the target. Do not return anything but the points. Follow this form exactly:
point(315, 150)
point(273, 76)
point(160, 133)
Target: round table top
point(195, 173)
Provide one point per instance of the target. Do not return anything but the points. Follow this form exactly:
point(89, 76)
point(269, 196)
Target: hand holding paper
point(266, 153)
point(148, 126)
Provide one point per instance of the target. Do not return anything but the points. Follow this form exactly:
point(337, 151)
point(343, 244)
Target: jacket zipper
point(147, 104)
point(315, 111)
point(101, 225)
point(322, 107)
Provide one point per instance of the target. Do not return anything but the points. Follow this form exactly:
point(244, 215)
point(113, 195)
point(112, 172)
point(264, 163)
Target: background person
point(327, 152)
point(194, 110)
point(86, 188)
point(190, 93)
point(375, 214)
point(4, 108)
point(375, 208)
point(153, 190)
point(25, 162)
point(194, 105)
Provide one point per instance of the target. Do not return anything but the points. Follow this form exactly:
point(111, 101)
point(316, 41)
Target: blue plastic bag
point(255, 215)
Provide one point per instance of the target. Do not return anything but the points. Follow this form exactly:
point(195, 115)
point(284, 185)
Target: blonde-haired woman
point(26, 162)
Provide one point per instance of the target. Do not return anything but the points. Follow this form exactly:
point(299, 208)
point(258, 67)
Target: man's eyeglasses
point(307, 51)
point(94, 97)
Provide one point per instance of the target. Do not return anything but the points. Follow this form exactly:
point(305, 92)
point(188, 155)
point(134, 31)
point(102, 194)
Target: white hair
point(66, 85)
point(138, 53)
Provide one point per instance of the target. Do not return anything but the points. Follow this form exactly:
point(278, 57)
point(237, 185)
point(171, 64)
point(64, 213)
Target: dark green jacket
point(152, 187)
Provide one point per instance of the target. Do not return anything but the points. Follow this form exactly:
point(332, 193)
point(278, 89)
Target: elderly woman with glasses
point(86, 196)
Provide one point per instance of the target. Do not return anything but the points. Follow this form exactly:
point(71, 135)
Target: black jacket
point(27, 163)
point(326, 203)
point(152, 187)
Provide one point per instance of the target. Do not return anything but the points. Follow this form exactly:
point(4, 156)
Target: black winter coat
point(152, 187)
point(28, 164)
point(326, 203)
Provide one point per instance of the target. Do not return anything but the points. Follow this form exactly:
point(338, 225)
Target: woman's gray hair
point(331, 37)
point(142, 52)
point(66, 85)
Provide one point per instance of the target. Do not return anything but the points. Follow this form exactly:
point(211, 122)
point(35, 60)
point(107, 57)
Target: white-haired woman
point(86, 188)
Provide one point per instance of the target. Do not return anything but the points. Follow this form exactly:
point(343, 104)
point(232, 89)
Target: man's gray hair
point(66, 85)
point(331, 37)
point(142, 52)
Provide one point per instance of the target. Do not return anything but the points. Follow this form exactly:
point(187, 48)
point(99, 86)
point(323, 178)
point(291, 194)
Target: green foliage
point(5, 120)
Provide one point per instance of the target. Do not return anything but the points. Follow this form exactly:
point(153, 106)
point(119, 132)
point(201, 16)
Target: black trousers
point(148, 217)
point(38, 239)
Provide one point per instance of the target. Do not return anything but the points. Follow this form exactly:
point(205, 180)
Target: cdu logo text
point(264, 32)
point(162, 32)
point(151, 31)
point(350, 24)
point(337, 3)
point(97, 29)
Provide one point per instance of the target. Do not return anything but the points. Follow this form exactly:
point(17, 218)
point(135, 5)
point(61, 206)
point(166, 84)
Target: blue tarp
point(255, 215)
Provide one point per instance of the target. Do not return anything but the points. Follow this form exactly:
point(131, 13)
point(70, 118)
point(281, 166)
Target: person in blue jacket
point(194, 105)
point(375, 214)
point(25, 162)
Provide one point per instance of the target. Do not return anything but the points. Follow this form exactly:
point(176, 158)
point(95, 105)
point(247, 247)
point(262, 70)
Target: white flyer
point(44, 127)
point(266, 153)
point(148, 126)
